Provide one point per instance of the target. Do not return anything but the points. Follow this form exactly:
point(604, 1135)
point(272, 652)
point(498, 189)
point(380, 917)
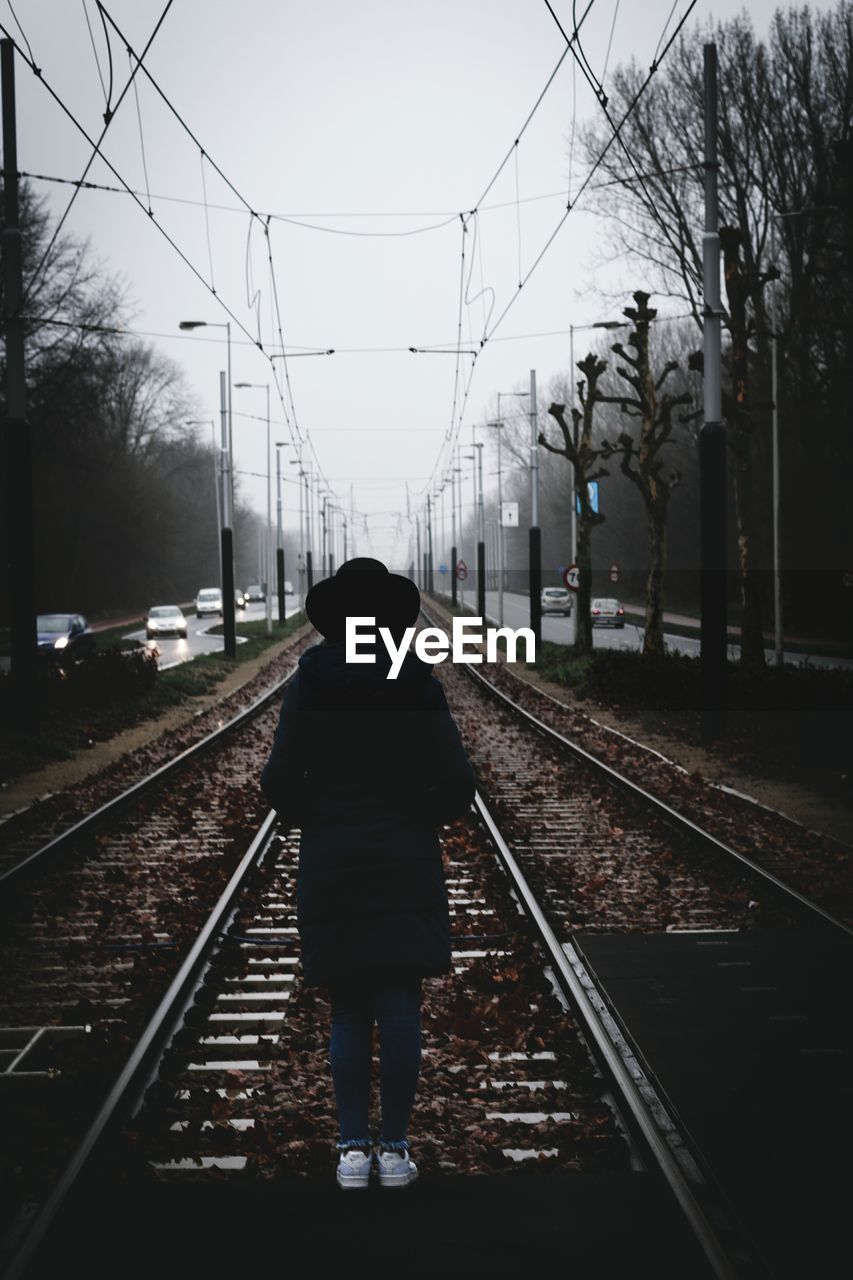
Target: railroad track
point(96, 921)
point(770, 968)
point(61, 818)
point(242, 1089)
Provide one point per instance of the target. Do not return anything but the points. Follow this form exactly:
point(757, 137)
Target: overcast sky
point(369, 128)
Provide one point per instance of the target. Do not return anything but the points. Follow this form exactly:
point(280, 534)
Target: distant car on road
point(240, 599)
point(164, 620)
point(607, 612)
point(288, 587)
point(64, 637)
point(208, 600)
point(255, 592)
point(556, 600)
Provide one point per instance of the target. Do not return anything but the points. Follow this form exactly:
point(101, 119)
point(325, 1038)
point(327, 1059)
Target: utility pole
point(429, 578)
point(16, 431)
point(500, 532)
point(325, 572)
point(535, 569)
point(309, 567)
point(774, 374)
point(229, 620)
point(712, 439)
point(453, 583)
point(279, 541)
point(481, 535)
point(418, 548)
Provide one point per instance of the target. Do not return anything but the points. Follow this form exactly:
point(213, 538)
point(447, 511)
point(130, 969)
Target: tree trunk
point(656, 517)
point(583, 597)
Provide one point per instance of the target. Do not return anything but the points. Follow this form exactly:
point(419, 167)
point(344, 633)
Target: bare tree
point(785, 129)
point(641, 459)
point(578, 449)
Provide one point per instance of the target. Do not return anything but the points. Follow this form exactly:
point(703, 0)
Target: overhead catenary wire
point(458, 404)
point(616, 135)
point(610, 40)
point(296, 434)
point(205, 204)
point(109, 115)
point(463, 378)
point(141, 138)
point(22, 31)
point(290, 416)
point(651, 207)
point(97, 59)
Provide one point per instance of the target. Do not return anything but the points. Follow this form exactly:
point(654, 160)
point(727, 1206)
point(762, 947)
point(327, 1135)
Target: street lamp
point(209, 422)
point(300, 559)
point(265, 386)
point(535, 534)
point(279, 542)
point(477, 457)
point(229, 620)
point(498, 426)
point(307, 567)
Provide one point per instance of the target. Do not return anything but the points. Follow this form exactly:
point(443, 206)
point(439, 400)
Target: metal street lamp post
point(477, 457)
point(453, 583)
point(498, 426)
point(209, 422)
point(297, 462)
point(279, 540)
point(535, 571)
point(429, 578)
point(229, 618)
point(265, 386)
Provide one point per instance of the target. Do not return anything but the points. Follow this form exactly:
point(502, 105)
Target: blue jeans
point(396, 1008)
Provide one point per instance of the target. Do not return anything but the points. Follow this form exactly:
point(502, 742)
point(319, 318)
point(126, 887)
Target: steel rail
point(637, 1113)
point(684, 824)
point(14, 876)
point(141, 1066)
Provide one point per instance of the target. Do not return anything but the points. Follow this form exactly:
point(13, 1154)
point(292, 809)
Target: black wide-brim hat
point(363, 588)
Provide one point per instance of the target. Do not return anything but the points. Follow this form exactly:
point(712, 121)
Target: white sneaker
point(396, 1168)
point(354, 1169)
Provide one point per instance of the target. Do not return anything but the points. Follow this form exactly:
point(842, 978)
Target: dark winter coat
point(368, 768)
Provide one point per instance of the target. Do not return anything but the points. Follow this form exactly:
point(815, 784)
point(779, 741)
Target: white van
point(208, 600)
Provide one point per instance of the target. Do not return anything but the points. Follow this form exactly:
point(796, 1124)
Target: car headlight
point(61, 642)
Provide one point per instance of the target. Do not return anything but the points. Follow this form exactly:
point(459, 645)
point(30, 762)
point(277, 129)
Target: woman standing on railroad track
point(368, 767)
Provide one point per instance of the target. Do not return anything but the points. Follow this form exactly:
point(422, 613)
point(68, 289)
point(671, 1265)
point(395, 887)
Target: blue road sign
point(592, 488)
point(442, 568)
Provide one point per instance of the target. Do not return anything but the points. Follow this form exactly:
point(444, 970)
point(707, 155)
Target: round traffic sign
point(461, 571)
point(572, 577)
point(614, 573)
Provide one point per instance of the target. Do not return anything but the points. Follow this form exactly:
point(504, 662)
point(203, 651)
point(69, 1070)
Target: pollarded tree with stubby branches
point(642, 457)
point(578, 449)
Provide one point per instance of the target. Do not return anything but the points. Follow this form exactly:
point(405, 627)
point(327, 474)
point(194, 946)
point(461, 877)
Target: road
point(562, 631)
point(174, 651)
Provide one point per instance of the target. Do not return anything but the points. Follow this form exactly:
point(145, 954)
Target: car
point(255, 592)
point(164, 620)
point(607, 612)
point(556, 600)
point(64, 637)
point(240, 599)
point(288, 587)
point(208, 600)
